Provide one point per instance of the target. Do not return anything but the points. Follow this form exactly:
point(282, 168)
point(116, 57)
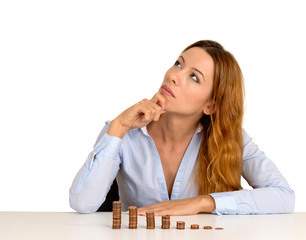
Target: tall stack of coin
point(194, 226)
point(150, 220)
point(132, 217)
point(180, 225)
point(165, 222)
point(116, 215)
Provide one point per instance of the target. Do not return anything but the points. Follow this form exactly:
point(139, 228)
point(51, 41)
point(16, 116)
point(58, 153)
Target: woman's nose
point(176, 77)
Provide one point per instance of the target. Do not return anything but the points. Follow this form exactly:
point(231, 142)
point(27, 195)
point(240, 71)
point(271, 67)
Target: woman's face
point(188, 84)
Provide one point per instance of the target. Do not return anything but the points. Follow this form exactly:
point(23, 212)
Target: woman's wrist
point(116, 129)
point(207, 203)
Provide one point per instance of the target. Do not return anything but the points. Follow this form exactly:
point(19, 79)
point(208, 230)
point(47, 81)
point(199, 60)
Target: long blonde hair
point(219, 162)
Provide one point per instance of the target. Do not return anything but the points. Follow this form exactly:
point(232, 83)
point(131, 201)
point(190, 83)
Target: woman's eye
point(177, 63)
point(194, 77)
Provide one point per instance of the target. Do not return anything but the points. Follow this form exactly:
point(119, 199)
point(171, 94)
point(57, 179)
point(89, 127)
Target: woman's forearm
point(206, 203)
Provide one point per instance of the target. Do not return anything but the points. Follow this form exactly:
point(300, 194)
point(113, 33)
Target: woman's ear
point(209, 109)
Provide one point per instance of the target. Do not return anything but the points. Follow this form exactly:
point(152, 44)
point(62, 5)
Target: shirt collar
point(145, 130)
point(199, 128)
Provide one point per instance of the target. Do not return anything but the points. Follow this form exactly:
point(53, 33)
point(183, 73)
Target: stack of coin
point(166, 222)
point(150, 220)
point(219, 228)
point(116, 215)
point(180, 225)
point(207, 227)
point(194, 226)
point(133, 217)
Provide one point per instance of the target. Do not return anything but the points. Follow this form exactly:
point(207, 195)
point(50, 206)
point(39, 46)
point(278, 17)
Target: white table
point(61, 225)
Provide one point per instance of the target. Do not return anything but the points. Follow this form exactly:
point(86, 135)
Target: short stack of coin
point(116, 215)
point(132, 217)
point(165, 222)
point(150, 220)
point(194, 226)
point(207, 227)
point(180, 225)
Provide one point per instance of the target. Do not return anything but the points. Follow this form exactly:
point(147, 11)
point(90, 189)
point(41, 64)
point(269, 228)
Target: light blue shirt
point(135, 163)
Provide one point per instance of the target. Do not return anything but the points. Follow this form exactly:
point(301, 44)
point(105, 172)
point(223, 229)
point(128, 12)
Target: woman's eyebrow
point(182, 59)
point(197, 70)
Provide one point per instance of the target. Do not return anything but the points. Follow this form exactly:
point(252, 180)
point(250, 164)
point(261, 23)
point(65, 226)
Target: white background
point(68, 66)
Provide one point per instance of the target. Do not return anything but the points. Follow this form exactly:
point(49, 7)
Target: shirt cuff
point(107, 147)
point(225, 203)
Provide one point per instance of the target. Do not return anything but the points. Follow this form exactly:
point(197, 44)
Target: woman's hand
point(188, 206)
point(139, 115)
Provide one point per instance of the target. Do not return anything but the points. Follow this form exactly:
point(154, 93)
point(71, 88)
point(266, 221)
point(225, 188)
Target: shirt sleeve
point(270, 194)
point(93, 181)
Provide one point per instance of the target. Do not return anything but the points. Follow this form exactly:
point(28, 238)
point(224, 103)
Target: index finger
point(159, 99)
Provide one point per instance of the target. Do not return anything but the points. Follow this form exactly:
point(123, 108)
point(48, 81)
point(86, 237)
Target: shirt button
point(177, 184)
point(103, 144)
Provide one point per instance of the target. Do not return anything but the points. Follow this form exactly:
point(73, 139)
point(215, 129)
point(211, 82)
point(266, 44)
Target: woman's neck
point(172, 130)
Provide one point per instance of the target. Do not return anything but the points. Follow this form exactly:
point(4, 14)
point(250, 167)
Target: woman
point(184, 151)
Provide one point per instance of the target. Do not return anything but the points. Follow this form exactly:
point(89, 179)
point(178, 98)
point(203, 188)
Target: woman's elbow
point(288, 200)
point(79, 206)
point(291, 202)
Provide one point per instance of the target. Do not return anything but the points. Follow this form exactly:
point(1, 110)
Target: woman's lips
point(167, 91)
